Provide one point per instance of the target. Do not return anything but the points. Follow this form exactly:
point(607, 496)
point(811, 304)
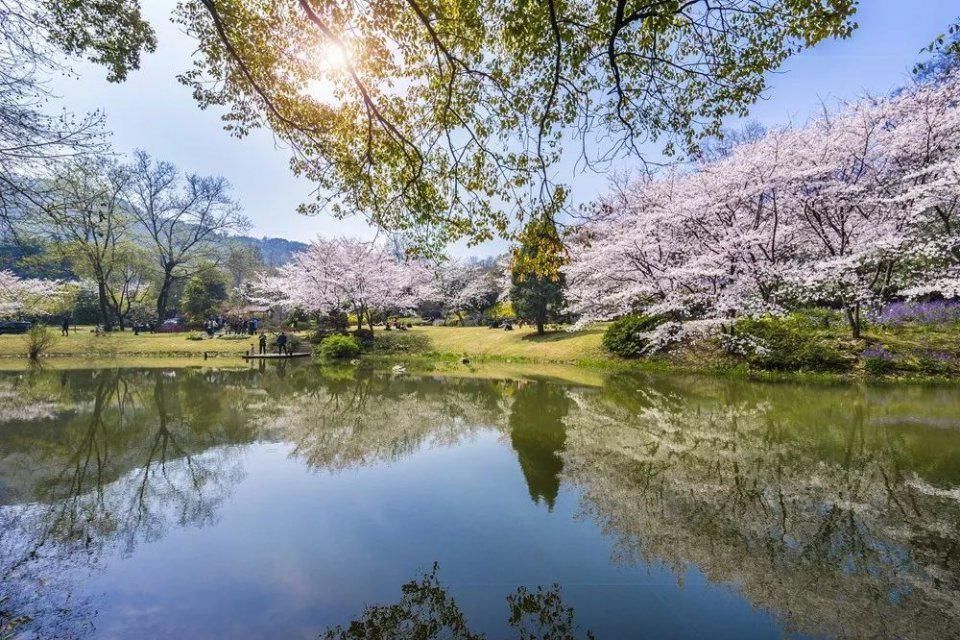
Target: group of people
point(281, 342)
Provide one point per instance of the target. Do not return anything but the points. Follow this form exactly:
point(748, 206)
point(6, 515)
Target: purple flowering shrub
point(935, 312)
point(877, 359)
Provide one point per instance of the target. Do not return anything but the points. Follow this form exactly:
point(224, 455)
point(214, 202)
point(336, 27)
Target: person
point(65, 326)
point(282, 343)
point(263, 343)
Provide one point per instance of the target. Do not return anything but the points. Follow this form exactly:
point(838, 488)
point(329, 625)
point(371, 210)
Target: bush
point(878, 361)
point(930, 313)
point(622, 337)
point(338, 347)
point(364, 337)
point(196, 336)
point(39, 340)
point(400, 342)
point(790, 344)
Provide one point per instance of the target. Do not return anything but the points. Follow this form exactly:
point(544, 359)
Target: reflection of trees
point(426, 611)
point(835, 508)
point(537, 434)
point(362, 419)
point(116, 467)
point(811, 510)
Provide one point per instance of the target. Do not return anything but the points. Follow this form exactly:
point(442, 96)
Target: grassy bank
point(908, 352)
point(523, 344)
point(124, 344)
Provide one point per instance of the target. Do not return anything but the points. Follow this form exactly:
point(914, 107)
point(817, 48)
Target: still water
point(293, 503)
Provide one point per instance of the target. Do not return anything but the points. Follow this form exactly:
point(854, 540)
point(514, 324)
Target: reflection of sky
point(293, 551)
point(151, 110)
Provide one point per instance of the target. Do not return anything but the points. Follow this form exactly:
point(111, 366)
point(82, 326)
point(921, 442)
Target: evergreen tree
point(537, 284)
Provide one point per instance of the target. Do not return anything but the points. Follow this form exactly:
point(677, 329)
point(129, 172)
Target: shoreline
point(590, 372)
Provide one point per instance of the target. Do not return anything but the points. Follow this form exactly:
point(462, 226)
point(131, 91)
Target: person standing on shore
point(263, 343)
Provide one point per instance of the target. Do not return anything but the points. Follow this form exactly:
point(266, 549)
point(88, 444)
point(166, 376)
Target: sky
point(152, 111)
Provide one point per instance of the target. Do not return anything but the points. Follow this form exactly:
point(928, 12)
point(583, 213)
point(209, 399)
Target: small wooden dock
point(274, 356)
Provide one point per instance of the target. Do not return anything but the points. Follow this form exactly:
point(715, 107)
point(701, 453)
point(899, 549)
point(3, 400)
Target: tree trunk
point(104, 305)
point(853, 319)
point(163, 298)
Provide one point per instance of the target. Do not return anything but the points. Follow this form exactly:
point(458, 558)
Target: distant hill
point(26, 259)
point(275, 252)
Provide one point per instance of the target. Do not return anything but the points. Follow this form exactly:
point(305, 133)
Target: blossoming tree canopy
point(19, 296)
point(345, 274)
point(853, 209)
point(448, 115)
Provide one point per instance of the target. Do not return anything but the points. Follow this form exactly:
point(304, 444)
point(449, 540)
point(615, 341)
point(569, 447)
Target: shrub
point(790, 344)
point(398, 342)
point(364, 337)
point(338, 347)
point(39, 339)
point(195, 336)
point(878, 361)
point(935, 312)
point(936, 363)
point(623, 336)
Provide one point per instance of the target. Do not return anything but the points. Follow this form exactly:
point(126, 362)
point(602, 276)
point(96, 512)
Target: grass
point(522, 344)
point(442, 348)
point(124, 344)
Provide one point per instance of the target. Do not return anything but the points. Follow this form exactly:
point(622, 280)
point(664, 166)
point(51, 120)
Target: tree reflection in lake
point(538, 434)
point(821, 508)
point(128, 454)
point(837, 509)
point(427, 611)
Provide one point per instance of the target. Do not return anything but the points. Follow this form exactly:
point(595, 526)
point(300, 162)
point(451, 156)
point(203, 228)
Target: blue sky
point(154, 112)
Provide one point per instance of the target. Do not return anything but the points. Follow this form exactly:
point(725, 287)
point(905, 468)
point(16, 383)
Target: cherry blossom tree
point(345, 274)
point(25, 295)
point(856, 207)
point(463, 287)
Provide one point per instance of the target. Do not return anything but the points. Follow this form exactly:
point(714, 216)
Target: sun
point(332, 56)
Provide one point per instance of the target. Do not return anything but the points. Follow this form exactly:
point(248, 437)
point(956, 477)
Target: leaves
point(445, 118)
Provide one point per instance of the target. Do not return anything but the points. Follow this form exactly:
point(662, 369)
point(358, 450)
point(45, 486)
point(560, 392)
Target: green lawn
point(556, 346)
point(559, 346)
point(85, 344)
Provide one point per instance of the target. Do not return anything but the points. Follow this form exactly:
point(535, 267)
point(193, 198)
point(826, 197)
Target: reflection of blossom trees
point(809, 508)
point(364, 419)
point(835, 508)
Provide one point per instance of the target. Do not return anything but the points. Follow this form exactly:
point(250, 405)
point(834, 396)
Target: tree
point(127, 283)
point(462, 287)
point(946, 55)
point(204, 293)
point(185, 218)
point(25, 296)
point(444, 118)
point(345, 274)
point(242, 262)
point(36, 35)
point(857, 207)
point(537, 282)
point(85, 218)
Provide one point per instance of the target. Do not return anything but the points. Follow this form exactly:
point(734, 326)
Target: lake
point(294, 502)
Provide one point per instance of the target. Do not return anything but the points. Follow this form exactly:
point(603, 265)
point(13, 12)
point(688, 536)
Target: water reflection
point(836, 509)
point(817, 504)
point(427, 611)
point(538, 435)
